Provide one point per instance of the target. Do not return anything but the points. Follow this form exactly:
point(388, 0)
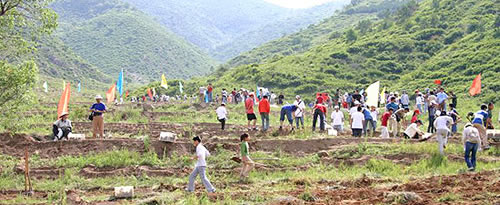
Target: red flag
point(126, 94)
point(437, 82)
point(150, 94)
point(110, 95)
point(64, 100)
point(475, 88)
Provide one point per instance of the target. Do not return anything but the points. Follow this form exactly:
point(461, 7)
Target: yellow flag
point(382, 96)
point(164, 81)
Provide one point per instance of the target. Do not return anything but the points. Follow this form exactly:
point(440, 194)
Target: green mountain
point(226, 28)
point(56, 60)
point(434, 39)
point(366, 11)
point(113, 35)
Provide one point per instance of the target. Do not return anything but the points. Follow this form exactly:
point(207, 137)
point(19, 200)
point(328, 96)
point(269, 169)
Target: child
point(245, 157)
point(200, 167)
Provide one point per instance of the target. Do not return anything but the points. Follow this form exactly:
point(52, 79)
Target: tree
point(22, 23)
point(351, 35)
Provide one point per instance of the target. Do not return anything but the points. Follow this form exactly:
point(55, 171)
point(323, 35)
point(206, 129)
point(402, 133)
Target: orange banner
point(110, 95)
point(150, 94)
point(475, 88)
point(64, 100)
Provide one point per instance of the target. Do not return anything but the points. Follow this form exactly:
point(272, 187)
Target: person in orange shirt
point(250, 114)
point(264, 110)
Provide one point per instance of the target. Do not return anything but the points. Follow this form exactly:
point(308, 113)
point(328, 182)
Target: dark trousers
point(222, 123)
point(470, 154)
point(321, 115)
point(55, 131)
point(431, 128)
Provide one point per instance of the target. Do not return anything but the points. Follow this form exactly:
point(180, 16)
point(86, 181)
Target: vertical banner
point(164, 82)
point(373, 94)
point(475, 88)
point(119, 83)
point(110, 95)
point(64, 100)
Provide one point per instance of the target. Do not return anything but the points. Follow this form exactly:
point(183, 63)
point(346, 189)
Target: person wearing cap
point(414, 116)
point(479, 123)
point(319, 111)
point(264, 110)
point(337, 119)
point(419, 101)
point(442, 124)
point(200, 167)
point(299, 113)
point(399, 116)
point(62, 127)
point(472, 142)
point(98, 109)
point(354, 108)
point(249, 103)
point(413, 131)
point(221, 112)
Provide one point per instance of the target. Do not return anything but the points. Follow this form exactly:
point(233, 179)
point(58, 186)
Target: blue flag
point(257, 92)
point(79, 86)
point(119, 83)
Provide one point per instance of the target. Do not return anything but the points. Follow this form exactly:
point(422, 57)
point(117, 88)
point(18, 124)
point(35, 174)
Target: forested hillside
point(113, 35)
point(225, 28)
point(365, 11)
point(434, 39)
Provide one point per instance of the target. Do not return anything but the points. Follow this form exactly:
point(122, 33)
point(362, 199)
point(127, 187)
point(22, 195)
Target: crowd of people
point(395, 113)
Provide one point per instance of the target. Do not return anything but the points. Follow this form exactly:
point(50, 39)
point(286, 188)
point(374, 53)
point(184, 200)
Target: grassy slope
point(316, 34)
point(395, 50)
point(240, 26)
point(113, 36)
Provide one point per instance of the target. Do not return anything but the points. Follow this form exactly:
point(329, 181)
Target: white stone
point(332, 132)
point(124, 192)
point(72, 136)
point(167, 137)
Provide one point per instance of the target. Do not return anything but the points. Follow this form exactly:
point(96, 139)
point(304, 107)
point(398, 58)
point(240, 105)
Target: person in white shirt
point(405, 100)
point(357, 121)
point(413, 131)
point(62, 127)
point(374, 113)
point(354, 108)
point(222, 115)
point(337, 119)
point(299, 113)
point(419, 101)
point(200, 167)
point(442, 124)
point(472, 142)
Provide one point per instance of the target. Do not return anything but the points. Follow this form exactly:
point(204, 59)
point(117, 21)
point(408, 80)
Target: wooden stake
point(28, 188)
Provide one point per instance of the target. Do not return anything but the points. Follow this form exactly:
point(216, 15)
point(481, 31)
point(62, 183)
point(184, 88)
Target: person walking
point(472, 142)
point(384, 133)
point(210, 90)
point(479, 123)
point(249, 110)
point(264, 110)
point(247, 163)
point(337, 119)
point(319, 111)
point(200, 167)
point(299, 113)
point(222, 115)
point(357, 121)
point(98, 109)
point(432, 116)
point(419, 101)
point(442, 124)
point(456, 118)
point(441, 99)
point(374, 113)
point(368, 120)
point(405, 100)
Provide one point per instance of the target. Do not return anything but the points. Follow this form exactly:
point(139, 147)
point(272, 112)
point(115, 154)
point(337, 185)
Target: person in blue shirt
point(368, 120)
point(392, 104)
point(478, 122)
point(441, 99)
point(97, 110)
point(287, 110)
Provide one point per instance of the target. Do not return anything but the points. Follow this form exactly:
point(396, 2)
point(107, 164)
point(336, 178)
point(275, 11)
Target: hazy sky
point(299, 3)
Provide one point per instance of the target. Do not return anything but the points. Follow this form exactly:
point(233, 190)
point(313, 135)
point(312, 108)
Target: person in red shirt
point(264, 110)
point(320, 99)
point(414, 118)
point(385, 118)
point(250, 114)
point(210, 88)
point(319, 111)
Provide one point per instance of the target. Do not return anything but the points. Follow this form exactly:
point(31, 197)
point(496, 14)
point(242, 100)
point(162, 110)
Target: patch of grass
point(449, 197)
